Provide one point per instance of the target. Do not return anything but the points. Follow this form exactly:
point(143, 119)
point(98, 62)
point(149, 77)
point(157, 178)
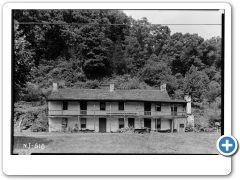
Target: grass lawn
point(165, 143)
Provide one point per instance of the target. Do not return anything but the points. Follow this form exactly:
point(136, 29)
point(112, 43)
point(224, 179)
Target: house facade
point(108, 110)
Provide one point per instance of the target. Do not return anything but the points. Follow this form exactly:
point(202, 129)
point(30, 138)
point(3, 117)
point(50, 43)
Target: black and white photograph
point(117, 81)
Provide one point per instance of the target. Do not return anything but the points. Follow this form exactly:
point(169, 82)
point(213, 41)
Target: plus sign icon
point(227, 145)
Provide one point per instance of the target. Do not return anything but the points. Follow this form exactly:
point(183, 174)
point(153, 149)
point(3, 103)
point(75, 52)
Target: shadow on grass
point(20, 141)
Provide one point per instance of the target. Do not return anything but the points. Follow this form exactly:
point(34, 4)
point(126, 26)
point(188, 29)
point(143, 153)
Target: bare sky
point(183, 17)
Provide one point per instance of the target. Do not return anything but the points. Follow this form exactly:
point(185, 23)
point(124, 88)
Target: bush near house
point(29, 117)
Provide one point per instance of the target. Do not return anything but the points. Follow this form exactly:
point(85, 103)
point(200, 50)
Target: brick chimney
point(111, 87)
point(55, 87)
point(188, 99)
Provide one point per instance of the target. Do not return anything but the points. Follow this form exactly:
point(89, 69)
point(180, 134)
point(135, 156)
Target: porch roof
point(116, 95)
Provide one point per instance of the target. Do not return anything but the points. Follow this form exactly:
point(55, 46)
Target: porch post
point(110, 115)
point(78, 123)
point(124, 114)
point(177, 125)
point(173, 119)
point(94, 116)
point(139, 115)
point(185, 124)
point(155, 123)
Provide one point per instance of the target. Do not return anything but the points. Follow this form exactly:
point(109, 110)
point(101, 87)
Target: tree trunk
point(20, 125)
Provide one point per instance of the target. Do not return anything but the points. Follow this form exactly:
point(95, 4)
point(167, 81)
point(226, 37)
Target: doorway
point(102, 125)
point(181, 127)
point(147, 123)
point(131, 122)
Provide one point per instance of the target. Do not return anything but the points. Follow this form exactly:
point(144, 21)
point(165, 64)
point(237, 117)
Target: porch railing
point(114, 113)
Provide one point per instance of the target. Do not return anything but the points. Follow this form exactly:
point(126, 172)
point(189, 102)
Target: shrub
point(213, 119)
point(165, 131)
point(92, 84)
point(189, 127)
point(198, 128)
point(29, 116)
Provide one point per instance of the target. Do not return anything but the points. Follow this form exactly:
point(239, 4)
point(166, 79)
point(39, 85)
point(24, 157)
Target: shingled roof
point(116, 95)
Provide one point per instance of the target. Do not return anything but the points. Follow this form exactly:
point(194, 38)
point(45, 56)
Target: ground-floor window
point(121, 123)
point(181, 125)
point(158, 123)
point(83, 122)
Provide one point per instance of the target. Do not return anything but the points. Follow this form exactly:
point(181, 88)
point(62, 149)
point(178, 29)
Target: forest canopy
point(87, 48)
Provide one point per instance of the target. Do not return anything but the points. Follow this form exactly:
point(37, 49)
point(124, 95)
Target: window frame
point(122, 119)
point(122, 105)
point(173, 109)
point(65, 105)
point(160, 123)
point(83, 104)
point(158, 105)
point(101, 103)
point(85, 119)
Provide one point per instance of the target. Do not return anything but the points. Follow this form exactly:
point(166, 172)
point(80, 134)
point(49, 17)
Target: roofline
point(114, 100)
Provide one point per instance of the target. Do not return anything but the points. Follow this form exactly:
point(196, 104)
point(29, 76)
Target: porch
point(115, 123)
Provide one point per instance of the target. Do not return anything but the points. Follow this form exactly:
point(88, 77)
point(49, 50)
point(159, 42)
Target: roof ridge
point(116, 89)
point(118, 94)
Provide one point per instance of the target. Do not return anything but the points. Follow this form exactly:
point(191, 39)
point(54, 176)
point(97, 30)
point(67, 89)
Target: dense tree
point(182, 51)
point(23, 60)
point(82, 47)
point(214, 91)
point(195, 83)
point(211, 52)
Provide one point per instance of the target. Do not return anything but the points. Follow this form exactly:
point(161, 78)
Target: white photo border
point(110, 164)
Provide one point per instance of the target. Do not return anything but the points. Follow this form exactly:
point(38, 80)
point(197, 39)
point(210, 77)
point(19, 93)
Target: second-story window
point(121, 106)
point(83, 108)
point(102, 106)
point(65, 105)
point(173, 110)
point(158, 106)
point(83, 105)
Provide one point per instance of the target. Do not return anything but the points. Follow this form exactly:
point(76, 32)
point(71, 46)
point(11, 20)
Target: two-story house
point(108, 110)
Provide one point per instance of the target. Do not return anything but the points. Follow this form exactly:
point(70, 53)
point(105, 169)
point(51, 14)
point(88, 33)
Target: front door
point(147, 123)
point(102, 125)
point(131, 122)
point(181, 127)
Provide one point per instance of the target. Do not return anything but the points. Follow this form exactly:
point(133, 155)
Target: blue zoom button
point(227, 145)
